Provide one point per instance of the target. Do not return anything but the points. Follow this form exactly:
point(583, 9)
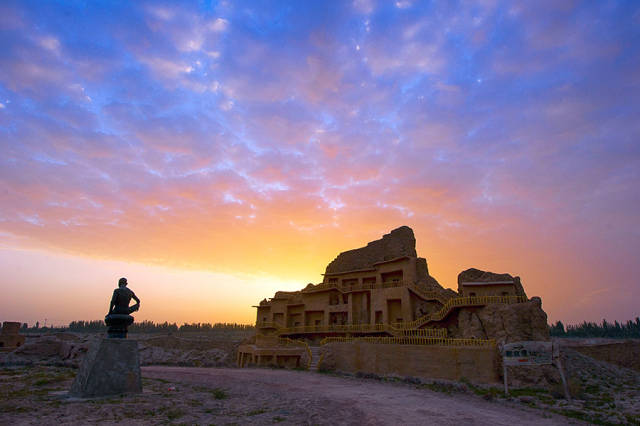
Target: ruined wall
point(9, 335)
point(429, 362)
point(281, 356)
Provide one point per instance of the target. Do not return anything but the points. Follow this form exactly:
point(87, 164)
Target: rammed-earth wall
point(477, 364)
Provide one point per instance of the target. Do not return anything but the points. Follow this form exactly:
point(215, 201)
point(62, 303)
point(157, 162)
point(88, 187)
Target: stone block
point(111, 367)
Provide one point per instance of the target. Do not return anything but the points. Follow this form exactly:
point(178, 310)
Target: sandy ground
point(299, 397)
point(37, 395)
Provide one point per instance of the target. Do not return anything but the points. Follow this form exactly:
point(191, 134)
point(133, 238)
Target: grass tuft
point(175, 413)
point(219, 393)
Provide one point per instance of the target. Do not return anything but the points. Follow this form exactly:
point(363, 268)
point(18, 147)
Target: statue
point(112, 365)
point(119, 319)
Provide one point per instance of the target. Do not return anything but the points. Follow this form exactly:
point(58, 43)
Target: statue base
point(118, 325)
point(111, 367)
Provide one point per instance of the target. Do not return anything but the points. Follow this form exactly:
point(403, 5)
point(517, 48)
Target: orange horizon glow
point(186, 295)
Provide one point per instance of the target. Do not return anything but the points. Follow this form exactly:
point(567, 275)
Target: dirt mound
point(600, 391)
point(68, 349)
point(504, 323)
point(59, 348)
point(625, 353)
point(173, 350)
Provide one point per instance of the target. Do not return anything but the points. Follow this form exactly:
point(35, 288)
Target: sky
point(215, 152)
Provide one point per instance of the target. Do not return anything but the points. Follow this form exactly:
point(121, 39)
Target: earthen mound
point(69, 349)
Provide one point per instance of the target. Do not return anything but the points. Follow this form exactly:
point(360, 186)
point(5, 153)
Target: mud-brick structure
point(379, 310)
point(10, 337)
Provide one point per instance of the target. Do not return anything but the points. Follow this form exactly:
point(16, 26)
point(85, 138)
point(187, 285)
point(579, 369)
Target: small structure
point(283, 352)
point(474, 283)
point(10, 337)
point(112, 366)
point(379, 310)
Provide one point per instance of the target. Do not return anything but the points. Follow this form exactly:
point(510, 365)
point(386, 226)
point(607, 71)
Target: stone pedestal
point(111, 367)
point(118, 325)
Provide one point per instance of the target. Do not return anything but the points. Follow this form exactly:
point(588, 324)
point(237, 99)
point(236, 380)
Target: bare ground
point(34, 380)
point(311, 398)
point(184, 395)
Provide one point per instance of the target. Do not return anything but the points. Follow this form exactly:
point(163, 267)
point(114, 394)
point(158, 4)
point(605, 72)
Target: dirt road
point(298, 397)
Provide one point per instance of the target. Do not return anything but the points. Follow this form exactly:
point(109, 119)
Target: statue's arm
point(112, 303)
point(137, 305)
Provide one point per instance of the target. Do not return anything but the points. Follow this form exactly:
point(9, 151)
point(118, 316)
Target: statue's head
point(122, 282)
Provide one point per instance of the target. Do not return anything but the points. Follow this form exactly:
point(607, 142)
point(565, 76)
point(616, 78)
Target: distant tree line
point(98, 326)
point(219, 326)
point(615, 330)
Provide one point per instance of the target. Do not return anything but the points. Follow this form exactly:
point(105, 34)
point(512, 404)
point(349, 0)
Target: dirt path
point(299, 397)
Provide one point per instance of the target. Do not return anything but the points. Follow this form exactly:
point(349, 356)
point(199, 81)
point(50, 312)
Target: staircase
point(315, 357)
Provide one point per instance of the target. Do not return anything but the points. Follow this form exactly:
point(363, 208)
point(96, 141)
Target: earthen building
point(379, 310)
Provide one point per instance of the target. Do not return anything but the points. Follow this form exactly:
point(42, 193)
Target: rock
point(470, 325)
point(541, 376)
point(506, 323)
point(427, 282)
point(111, 367)
point(69, 349)
point(60, 348)
point(327, 360)
point(40, 347)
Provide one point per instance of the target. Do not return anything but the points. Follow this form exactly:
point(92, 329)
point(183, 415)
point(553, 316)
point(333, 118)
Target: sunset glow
point(215, 152)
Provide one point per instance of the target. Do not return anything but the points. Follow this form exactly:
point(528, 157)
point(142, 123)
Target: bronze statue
point(118, 318)
point(121, 298)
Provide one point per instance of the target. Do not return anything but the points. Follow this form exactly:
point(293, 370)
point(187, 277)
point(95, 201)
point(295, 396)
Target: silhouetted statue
point(118, 318)
point(121, 298)
point(112, 365)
